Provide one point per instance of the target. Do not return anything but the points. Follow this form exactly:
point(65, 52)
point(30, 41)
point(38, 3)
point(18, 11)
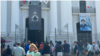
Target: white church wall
point(90, 3)
point(53, 16)
point(14, 15)
point(98, 18)
point(66, 16)
point(3, 18)
point(75, 4)
point(12, 41)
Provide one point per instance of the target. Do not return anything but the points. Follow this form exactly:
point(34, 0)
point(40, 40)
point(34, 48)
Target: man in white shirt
point(18, 51)
point(89, 49)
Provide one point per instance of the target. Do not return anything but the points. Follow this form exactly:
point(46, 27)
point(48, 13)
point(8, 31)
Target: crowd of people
point(49, 49)
point(90, 50)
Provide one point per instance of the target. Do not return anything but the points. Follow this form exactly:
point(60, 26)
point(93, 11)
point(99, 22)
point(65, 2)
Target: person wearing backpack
point(76, 49)
point(94, 49)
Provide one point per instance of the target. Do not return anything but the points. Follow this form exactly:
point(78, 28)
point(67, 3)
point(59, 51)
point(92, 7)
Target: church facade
point(60, 21)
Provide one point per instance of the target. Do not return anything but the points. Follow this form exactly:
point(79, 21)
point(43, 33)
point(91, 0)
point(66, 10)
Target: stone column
point(53, 19)
point(66, 20)
point(97, 4)
point(14, 16)
point(66, 16)
point(53, 15)
point(3, 18)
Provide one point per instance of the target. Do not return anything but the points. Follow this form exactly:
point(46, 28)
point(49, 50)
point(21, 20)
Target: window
point(82, 6)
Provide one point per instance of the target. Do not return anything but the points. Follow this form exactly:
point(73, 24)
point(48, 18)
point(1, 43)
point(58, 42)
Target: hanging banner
point(85, 22)
point(35, 2)
point(34, 17)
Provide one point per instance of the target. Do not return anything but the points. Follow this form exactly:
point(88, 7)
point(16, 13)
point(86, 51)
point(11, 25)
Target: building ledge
point(77, 14)
point(27, 8)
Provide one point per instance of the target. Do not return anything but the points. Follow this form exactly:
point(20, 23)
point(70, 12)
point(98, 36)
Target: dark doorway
point(83, 35)
point(35, 35)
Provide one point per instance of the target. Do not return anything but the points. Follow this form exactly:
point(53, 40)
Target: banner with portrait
point(85, 22)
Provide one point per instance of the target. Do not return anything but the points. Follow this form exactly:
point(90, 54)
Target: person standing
point(98, 44)
point(89, 49)
point(22, 45)
point(14, 46)
point(51, 43)
point(33, 50)
point(66, 47)
point(76, 49)
point(3, 50)
point(51, 50)
point(37, 44)
point(56, 47)
point(41, 48)
point(46, 50)
point(80, 45)
point(8, 51)
point(44, 43)
point(27, 46)
point(94, 49)
point(59, 49)
point(18, 51)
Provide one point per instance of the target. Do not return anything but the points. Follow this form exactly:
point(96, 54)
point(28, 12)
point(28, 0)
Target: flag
point(16, 26)
point(90, 6)
point(24, 1)
point(87, 6)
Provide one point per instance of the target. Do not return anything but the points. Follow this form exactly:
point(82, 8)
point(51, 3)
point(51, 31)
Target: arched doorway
point(35, 35)
point(83, 35)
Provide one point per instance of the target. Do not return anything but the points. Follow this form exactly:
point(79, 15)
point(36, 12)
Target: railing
point(43, 5)
point(88, 10)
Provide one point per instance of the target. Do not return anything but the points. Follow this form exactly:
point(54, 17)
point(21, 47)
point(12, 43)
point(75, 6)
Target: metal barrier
point(88, 10)
point(43, 5)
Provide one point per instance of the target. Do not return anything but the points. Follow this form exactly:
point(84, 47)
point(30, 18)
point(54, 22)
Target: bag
point(97, 52)
point(92, 53)
point(59, 54)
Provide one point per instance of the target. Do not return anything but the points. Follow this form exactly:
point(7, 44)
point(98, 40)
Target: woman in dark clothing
point(3, 50)
point(59, 50)
point(8, 51)
point(46, 50)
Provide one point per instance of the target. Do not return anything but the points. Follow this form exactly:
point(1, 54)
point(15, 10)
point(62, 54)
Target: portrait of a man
point(83, 25)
